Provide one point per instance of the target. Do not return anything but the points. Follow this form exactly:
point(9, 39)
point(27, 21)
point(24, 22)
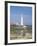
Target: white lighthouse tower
point(21, 19)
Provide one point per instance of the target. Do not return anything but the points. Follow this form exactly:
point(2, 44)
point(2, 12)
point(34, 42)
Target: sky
point(17, 11)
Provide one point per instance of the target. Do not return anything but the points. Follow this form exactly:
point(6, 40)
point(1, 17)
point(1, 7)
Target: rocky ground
point(21, 33)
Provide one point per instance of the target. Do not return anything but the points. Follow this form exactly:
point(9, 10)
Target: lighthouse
point(21, 19)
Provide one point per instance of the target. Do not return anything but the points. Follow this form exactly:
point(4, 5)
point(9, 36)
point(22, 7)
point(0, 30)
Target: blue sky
point(17, 11)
